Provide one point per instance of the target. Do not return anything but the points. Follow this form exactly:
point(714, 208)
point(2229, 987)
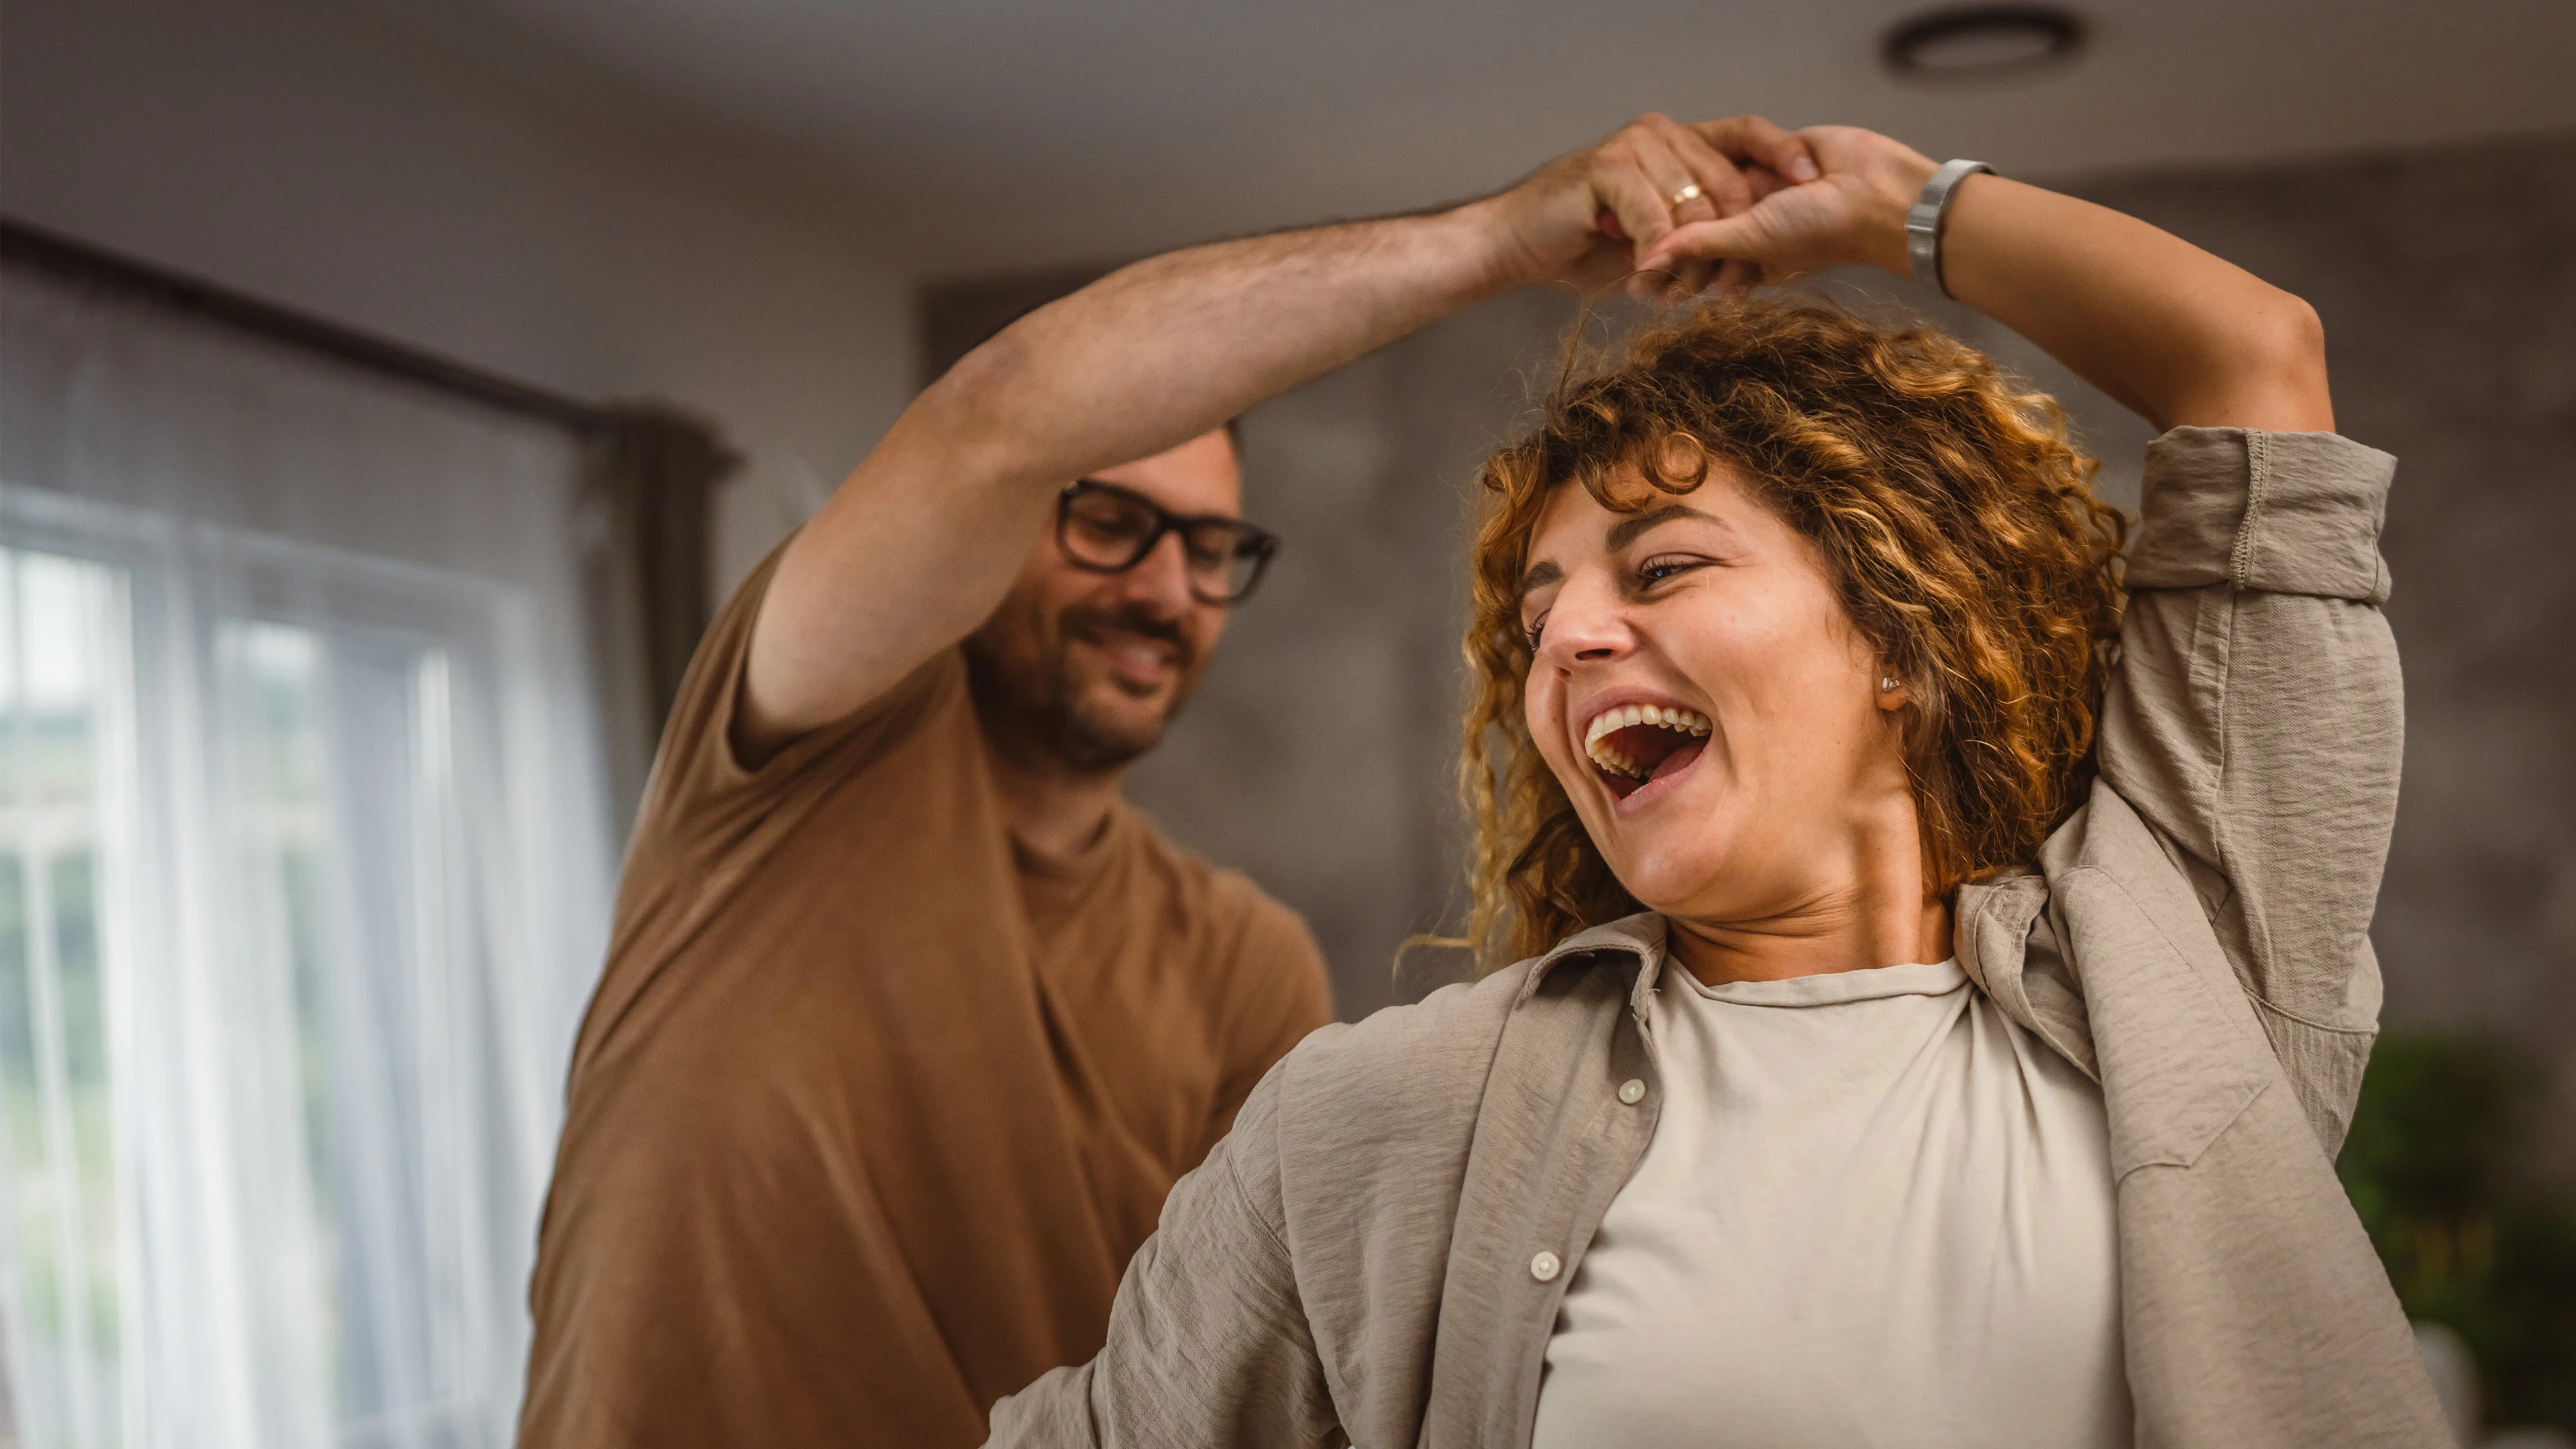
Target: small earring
point(1887, 684)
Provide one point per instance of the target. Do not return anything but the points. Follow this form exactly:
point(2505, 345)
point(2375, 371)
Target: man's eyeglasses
point(1109, 530)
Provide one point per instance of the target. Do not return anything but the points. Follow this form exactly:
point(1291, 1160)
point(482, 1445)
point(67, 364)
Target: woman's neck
point(1867, 907)
point(1817, 940)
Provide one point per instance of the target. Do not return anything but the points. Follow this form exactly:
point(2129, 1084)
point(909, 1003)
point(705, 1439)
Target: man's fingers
point(1751, 138)
point(1641, 211)
point(1691, 161)
point(1720, 170)
point(1763, 181)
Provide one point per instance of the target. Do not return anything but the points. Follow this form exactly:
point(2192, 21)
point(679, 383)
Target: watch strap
point(1923, 220)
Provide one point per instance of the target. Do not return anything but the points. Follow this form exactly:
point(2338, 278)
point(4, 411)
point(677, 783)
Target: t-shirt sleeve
point(1281, 991)
point(703, 798)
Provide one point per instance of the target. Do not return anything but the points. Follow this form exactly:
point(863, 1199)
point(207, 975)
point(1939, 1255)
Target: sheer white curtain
point(304, 875)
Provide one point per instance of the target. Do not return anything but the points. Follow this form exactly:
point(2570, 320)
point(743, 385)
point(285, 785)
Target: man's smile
point(1138, 663)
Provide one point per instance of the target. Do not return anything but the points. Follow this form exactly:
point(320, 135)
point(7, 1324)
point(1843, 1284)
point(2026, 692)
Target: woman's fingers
point(1730, 239)
point(1751, 138)
point(1737, 279)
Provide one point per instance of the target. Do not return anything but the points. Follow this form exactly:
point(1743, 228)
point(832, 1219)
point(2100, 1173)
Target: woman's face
point(1707, 703)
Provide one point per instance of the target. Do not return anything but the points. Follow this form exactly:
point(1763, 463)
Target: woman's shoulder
point(1404, 1086)
point(1402, 1062)
point(1355, 1150)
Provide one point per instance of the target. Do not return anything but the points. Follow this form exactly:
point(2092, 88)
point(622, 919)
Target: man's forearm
point(922, 540)
point(1164, 350)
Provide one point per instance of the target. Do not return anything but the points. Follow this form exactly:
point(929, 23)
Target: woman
point(1946, 990)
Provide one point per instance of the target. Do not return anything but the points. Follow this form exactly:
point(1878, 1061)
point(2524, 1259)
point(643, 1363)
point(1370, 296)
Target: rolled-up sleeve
point(1208, 1342)
point(2256, 721)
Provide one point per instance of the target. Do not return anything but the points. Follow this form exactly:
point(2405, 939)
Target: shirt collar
point(1639, 938)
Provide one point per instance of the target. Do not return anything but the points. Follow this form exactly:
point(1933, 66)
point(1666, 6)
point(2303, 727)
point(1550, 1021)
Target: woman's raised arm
point(2182, 337)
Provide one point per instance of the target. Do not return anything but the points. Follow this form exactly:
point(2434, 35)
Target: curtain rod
point(78, 261)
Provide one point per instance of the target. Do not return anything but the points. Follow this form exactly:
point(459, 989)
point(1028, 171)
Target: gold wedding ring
point(1684, 197)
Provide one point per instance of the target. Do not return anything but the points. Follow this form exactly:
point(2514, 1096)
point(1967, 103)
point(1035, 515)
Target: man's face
point(1090, 667)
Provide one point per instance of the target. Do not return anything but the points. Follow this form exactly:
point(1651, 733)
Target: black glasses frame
point(1247, 540)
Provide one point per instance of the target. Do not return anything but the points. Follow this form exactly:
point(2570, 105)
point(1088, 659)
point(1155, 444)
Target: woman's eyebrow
point(1628, 530)
point(1540, 575)
point(1623, 533)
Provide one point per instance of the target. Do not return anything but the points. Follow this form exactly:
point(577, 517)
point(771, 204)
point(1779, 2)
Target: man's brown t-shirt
point(873, 1104)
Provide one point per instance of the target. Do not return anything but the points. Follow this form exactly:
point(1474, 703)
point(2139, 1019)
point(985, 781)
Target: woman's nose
point(1585, 625)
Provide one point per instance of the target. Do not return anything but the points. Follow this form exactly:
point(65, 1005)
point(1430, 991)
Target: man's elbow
point(971, 403)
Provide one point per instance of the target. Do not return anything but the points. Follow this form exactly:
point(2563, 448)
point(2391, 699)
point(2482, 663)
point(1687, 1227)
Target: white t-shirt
point(1874, 1212)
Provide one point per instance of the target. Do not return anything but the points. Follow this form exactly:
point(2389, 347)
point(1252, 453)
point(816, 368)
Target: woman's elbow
point(2278, 381)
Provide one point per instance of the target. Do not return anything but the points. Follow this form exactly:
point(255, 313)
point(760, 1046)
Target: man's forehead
point(1200, 476)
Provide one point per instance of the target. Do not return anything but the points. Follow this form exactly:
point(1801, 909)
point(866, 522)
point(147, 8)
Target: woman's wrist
point(1892, 187)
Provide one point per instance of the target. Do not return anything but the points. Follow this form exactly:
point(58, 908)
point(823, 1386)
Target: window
point(311, 1004)
point(303, 882)
point(63, 722)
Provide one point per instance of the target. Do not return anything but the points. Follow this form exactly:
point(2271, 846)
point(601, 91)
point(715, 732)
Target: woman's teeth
point(1596, 735)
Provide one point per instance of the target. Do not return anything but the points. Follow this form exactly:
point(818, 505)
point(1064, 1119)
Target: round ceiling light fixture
point(1983, 42)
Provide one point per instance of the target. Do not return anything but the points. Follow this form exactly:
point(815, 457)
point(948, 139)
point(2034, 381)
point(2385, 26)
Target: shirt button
point(1632, 1091)
point(1544, 1266)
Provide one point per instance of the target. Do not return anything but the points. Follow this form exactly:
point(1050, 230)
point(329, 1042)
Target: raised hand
point(2176, 334)
point(1853, 213)
point(1591, 217)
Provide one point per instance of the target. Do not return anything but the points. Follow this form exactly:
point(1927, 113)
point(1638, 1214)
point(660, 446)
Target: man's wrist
point(1496, 256)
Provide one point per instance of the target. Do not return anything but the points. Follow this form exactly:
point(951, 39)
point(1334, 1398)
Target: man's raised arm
point(922, 541)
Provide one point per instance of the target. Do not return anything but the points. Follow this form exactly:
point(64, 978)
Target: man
point(908, 1023)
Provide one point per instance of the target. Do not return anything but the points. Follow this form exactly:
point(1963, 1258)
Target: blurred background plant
point(2476, 1237)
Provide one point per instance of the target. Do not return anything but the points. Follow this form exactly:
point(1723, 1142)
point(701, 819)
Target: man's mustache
point(1090, 622)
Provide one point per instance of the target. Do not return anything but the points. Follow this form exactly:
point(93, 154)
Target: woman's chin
point(1669, 880)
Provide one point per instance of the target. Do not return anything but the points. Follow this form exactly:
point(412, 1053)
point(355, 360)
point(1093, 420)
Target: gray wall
point(1319, 756)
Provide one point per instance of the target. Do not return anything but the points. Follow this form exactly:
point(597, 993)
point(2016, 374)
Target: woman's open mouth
point(1633, 746)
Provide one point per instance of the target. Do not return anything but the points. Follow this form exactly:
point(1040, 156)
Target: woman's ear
point(1891, 692)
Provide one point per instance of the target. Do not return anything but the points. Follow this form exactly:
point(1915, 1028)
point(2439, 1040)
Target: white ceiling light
point(1983, 42)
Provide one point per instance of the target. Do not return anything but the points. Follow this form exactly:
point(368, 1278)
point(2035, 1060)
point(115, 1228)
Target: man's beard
point(1027, 691)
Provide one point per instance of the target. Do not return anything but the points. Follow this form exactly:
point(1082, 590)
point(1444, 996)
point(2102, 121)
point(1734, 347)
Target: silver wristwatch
point(1923, 221)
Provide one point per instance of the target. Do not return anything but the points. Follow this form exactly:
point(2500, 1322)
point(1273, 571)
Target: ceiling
point(972, 136)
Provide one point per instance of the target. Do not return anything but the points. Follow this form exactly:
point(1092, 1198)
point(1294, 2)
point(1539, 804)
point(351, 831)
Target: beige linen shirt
point(1377, 1253)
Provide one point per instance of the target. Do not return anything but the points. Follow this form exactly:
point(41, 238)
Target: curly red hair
point(1956, 519)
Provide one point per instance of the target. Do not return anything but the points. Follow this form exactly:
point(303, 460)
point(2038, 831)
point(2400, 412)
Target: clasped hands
point(1671, 209)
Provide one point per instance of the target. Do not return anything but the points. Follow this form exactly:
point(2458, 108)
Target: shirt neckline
point(1833, 988)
